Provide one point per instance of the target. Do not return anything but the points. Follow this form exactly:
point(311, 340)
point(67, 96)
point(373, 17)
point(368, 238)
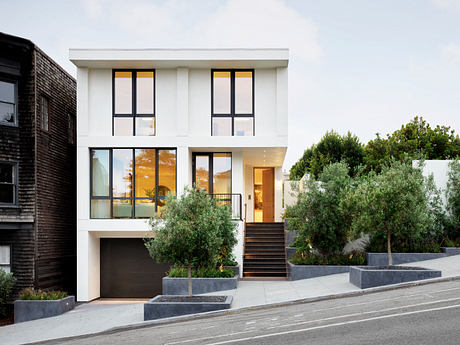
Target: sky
point(365, 66)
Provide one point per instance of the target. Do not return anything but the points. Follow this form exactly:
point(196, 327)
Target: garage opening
point(128, 271)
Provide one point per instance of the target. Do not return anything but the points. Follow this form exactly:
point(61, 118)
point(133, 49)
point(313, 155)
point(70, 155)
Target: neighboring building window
point(134, 103)
point(131, 183)
point(44, 113)
point(8, 183)
point(71, 129)
point(213, 172)
point(5, 258)
point(232, 103)
point(8, 103)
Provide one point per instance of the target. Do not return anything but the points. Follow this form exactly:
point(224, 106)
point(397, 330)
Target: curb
point(211, 314)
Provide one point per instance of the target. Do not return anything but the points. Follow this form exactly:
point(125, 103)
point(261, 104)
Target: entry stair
point(264, 251)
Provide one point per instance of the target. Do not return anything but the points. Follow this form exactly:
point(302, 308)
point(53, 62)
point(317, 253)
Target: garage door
point(127, 270)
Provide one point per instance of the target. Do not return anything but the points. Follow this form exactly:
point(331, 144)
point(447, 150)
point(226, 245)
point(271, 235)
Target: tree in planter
point(397, 203)
point(453, 202)
point(188, 232)
point(317, 215)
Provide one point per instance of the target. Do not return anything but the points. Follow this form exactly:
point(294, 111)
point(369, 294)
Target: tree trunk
point(189, 274)
point(390, 258)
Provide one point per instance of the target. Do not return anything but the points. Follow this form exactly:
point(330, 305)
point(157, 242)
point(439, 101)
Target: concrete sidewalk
point(103, 315)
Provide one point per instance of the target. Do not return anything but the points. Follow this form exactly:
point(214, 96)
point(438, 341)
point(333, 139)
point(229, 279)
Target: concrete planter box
point(157, 309)
point(179, 286)
point(290, 251)
point(236, 269)
point(290, 236)
point(297, 272)
point(451, 251)
point(381, 259)
point(26, 310)
point(367, 277)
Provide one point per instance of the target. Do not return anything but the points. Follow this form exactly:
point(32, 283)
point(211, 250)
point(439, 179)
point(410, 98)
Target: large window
point(232, 102)
point(213, 172)
point(8, 183)
point(134, 102)
point(131, 183)
point(8, 103)
point(5, 258)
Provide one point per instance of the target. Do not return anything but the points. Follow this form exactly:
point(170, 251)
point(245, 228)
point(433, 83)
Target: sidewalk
point(102, 315)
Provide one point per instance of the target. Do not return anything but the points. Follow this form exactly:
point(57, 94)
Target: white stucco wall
point(439, 169)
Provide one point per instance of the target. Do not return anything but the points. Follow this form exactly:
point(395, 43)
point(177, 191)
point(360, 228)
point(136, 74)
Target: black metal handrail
point(232, 200)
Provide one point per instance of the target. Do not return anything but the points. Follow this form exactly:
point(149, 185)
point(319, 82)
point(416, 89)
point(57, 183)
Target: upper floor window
point(44, 113)
point(71, 129)
point(131, 183)
point(134, 102)
point(5, 258)
point(8, 183)
point(8, 103)
point(233, 102)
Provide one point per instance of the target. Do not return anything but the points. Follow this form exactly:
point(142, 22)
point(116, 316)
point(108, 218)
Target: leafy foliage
point(7, 281)
point(397, 206)
point(317, 216)
point(41, 295)
point(306, 258)
point(331, 148)
point(227, 234)
point(202, 272)
point(453, 201)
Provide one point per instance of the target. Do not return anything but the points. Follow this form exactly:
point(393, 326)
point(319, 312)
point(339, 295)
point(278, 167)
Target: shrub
point(202, 272)
point(32, 294)
point(306, 258)
point(317, 216)
point(227, 234)
point(188, 232)
point(453, 202)
point(7, 281)
point(395, 207)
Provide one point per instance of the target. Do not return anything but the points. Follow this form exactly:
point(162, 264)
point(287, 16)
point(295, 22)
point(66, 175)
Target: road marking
point(250, 322)
point(206, 338)
point(365, 312)
point(332, 325)
point(298, 315)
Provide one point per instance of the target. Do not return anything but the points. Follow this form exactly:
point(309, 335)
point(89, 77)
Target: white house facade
point(153, 121)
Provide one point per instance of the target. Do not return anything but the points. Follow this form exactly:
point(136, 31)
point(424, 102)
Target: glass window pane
point(5, 255)
point(222, 126)
point(222, 169)
point(244, 126)
point(6, 173)
point(243, 92)
point(100, 208)
point(7, 113)
point(145, 208)
point(145, 173)
point(123, 93)
point(145, 126)
point(122, 126)
point(122, 208)
point(100, 172)
point(144, 90)
point(44, 113)
point(7, 92)
point(122, 173)
point(166, 172)
point(7, 193)
point(202, 172)
point(221, 92)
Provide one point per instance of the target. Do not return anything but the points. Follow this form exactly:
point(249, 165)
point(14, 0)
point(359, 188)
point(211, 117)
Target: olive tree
point(188, 232)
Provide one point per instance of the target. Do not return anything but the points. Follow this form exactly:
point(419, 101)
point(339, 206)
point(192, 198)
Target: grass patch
point(181, 272)
point(305, 258)
point(41, 295)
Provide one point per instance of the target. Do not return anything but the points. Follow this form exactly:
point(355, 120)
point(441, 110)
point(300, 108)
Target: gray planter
point(297, 272)
point(381, 259)
point(367, 277)
point(451, 251)
point(157, 309)
point(236, 269)
point(290, 237)
point(179, 286)
point(290, 251)
point(26, 310)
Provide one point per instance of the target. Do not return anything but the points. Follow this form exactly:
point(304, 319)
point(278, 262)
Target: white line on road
point(208, 338)
point(332, 325)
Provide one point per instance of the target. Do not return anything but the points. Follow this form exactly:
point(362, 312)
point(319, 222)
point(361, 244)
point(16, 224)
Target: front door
point(264, 195)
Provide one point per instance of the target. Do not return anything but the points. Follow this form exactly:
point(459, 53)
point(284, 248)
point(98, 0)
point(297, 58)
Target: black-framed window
point(131, 182)
point(5, 257)
point(133, 102)
point(213, 172)
point(44, 113)
point(232, 103)
point(8, 102)
point(8, 183)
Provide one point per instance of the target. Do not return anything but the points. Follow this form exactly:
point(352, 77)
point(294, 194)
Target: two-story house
point(37, 168)
point(152, 121)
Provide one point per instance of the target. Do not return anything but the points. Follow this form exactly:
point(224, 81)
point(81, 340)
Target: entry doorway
point(264, 194)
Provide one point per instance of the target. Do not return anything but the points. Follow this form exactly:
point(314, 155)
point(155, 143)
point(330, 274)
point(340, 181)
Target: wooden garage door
point(127, 270)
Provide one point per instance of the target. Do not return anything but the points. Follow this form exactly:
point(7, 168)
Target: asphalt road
point(428, 314)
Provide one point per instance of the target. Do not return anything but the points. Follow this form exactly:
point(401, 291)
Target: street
point(428, 314)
